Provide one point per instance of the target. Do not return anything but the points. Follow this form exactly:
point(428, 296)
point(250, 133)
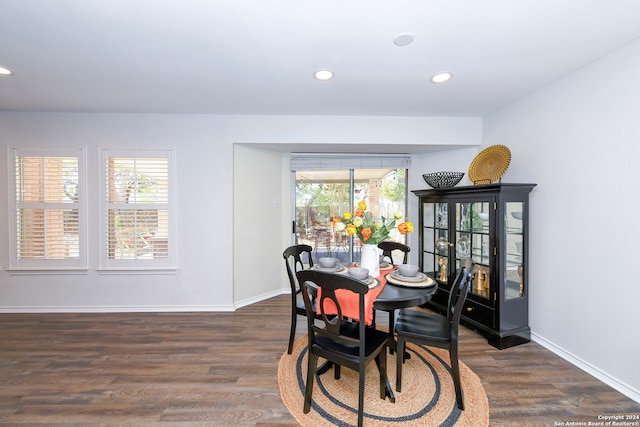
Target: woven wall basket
point(490, 164)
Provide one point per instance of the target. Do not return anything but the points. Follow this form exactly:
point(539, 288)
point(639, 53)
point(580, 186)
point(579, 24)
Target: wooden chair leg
point(455, 373)
point(311, 372)
point(361, 378)
point(292, 333)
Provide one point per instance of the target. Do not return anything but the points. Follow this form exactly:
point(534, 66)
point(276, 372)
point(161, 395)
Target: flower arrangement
point(368, 231)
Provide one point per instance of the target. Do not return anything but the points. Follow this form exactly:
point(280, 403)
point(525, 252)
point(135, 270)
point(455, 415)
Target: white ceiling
point(259, 56)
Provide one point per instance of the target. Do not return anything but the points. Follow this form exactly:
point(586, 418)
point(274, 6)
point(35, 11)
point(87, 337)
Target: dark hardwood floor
point(205, 369)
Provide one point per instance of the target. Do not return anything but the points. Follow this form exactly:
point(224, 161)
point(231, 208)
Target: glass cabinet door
point(436, 240)
point(514, 286)
point(473, 241)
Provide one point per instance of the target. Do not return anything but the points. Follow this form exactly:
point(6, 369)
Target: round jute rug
point(427, 397)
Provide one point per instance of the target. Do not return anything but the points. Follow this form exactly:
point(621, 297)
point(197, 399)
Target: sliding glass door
point(323, 196)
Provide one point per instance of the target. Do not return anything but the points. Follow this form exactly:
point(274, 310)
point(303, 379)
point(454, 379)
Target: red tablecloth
point(350, 304)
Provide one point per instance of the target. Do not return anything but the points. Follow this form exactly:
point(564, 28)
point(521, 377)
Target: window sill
point(137, 270)
point(46, 270)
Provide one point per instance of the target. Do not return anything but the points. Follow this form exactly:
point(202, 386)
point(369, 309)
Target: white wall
point(205, 200)
point(257, 225)
point(204, 214)
point(579, 140)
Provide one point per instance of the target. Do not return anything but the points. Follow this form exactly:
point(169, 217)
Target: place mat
point(375, 283)
point(370, 280)
point(427, 397)
point(420, 277)
point(386, 266)
point(428, 282)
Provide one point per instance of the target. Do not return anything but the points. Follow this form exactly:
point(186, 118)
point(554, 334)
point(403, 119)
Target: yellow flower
point(362, 224)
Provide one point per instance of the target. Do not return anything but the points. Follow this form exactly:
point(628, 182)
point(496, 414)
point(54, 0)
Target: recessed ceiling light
point(5, 71)
point(324, 74)
point(441, 78)
point(403, 39)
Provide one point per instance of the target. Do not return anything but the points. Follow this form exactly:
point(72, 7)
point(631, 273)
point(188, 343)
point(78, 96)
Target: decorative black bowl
point(443, 179)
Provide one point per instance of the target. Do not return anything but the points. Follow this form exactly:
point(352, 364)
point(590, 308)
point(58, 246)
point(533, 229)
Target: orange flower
point(405, 227)
point(402, 228)
point(335, 220)
point(366, 233)
point(359, 212)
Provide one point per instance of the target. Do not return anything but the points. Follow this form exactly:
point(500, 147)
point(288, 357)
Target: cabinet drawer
point(479, 313)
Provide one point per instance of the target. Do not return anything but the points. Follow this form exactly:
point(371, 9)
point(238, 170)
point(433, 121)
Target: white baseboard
point(118, 309)
point(146, 308)
point(613, 382)
point(262, 297)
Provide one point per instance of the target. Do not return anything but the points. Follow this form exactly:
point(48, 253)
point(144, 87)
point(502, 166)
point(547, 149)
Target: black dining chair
point(341, 341)
point(293, 261)
point(389, 246)
point(436, 330)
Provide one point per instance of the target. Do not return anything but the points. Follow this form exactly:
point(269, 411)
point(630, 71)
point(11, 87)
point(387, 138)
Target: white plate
point(426, 283)
point(420, 277)
point(329, 269)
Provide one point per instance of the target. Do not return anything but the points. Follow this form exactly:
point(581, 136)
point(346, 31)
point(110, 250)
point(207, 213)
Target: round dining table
point(394, 297)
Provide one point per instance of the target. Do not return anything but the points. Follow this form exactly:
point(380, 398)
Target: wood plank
point(204, 369)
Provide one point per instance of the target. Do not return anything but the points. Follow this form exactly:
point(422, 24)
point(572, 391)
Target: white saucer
point(420, 277)
point(334, 269)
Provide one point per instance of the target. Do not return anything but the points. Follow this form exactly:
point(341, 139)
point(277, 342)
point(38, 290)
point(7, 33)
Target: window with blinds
point(47, 208)
point(137, 214)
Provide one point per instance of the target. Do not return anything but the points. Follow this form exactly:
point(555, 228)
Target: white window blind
point(47, 209)
point(310, 161)
point(137, 217)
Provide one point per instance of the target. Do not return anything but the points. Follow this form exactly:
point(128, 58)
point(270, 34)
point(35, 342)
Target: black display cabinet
point(489, 224)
